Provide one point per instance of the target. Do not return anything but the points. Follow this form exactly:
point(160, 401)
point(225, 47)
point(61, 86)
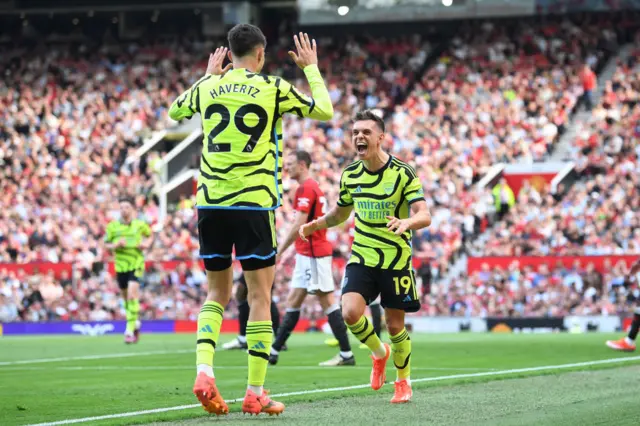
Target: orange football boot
point(207, 393)
point(403, 392)
point(254, 404)
point(621, 345)
point(379, 371)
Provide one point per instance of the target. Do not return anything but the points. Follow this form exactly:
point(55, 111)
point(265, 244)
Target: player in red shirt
point(312, 273)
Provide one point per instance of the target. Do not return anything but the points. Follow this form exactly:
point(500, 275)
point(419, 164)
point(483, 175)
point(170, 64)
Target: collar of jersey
point(381, 169)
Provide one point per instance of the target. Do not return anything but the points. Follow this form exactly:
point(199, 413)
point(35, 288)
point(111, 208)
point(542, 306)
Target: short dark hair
point(126, 199)
point(243, 38)
point(304, 157)
point(367, 114)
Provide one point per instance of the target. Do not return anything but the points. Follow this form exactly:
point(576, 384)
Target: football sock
point(259, 338)
point(209, 322)
point(289, 322)
point(363, 330)
point(133, 309)
point(635, 325)
point(339, 329)
point(401, 351)
point(376, 317)
point(243, 316)
point(275, 316)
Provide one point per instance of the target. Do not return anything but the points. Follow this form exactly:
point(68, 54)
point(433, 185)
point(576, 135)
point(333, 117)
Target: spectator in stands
point(8, 309)
point(503, 198)
point(589, 84)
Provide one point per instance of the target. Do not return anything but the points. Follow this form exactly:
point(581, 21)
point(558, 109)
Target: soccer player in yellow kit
point(239, 187)
point(389, 203)
point(128, 237)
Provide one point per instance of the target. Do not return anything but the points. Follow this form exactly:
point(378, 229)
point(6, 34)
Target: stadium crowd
point(71, 116)
point(598, 214)
point(536, 291)
point(176, 294)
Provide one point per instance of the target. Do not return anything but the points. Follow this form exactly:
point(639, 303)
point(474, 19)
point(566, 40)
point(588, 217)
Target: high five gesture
point(307, 52)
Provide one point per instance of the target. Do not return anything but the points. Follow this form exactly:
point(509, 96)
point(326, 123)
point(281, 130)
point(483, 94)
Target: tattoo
point(331, 221)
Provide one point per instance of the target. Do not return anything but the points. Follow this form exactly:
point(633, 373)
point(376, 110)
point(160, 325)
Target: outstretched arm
point(299, 220)
point(335, 217)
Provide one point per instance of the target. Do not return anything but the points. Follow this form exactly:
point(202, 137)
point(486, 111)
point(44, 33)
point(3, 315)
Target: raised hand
point(216, 59)
point(398, 226)
point(307, 53)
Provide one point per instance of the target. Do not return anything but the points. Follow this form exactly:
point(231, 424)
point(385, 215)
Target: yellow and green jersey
point(389, 191)
point(241, 163)
point(130, 257)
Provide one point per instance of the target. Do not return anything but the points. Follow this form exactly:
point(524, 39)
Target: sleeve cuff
point(341, 204)
point(313, 69)
point(415, 200)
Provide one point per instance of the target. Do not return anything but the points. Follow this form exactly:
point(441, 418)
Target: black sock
point(635, 325)
point(376, 318)
point(339, 329)
point(243, 317)
point(288, 324)
point(275, 316)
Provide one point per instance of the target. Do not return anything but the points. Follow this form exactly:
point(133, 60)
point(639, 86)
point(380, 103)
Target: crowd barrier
point(572, 324)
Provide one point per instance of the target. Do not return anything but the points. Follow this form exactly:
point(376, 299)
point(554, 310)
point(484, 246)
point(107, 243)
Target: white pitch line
point(346, 388)
point(227, 367)
point(79, 358)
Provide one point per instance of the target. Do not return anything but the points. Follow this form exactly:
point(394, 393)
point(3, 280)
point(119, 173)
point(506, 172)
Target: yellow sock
point(401, 350)
point(133, 309)
point(209, 323)
point(363, 330)
point(259, 338)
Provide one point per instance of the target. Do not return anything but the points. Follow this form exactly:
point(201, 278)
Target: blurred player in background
point(127, 238)
point(383, 191)
point(240, 342)
point(239, 187)
point(628, 344)
point(313, 270)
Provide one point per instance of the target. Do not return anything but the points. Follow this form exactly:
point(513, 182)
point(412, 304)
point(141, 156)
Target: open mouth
point(361, 147)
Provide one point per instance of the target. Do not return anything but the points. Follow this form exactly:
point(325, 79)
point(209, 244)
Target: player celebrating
point(239, 187)
point(127, 238)
point(381, 189)
point(312, 273)
point(628, 344)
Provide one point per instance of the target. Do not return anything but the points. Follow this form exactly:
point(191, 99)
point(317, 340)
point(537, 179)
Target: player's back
point(241, 164)
point(242, 156)
point(310, 199)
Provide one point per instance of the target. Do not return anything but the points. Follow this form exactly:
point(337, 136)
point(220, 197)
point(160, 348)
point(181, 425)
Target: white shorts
point(313, 274)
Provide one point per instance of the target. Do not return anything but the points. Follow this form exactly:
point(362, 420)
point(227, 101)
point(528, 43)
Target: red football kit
point(310, 200)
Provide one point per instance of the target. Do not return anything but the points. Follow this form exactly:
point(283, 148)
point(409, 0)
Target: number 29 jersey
point(311, 201)
point(241, 163)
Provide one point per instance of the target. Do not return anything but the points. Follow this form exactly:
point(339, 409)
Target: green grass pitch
point(459, 379)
